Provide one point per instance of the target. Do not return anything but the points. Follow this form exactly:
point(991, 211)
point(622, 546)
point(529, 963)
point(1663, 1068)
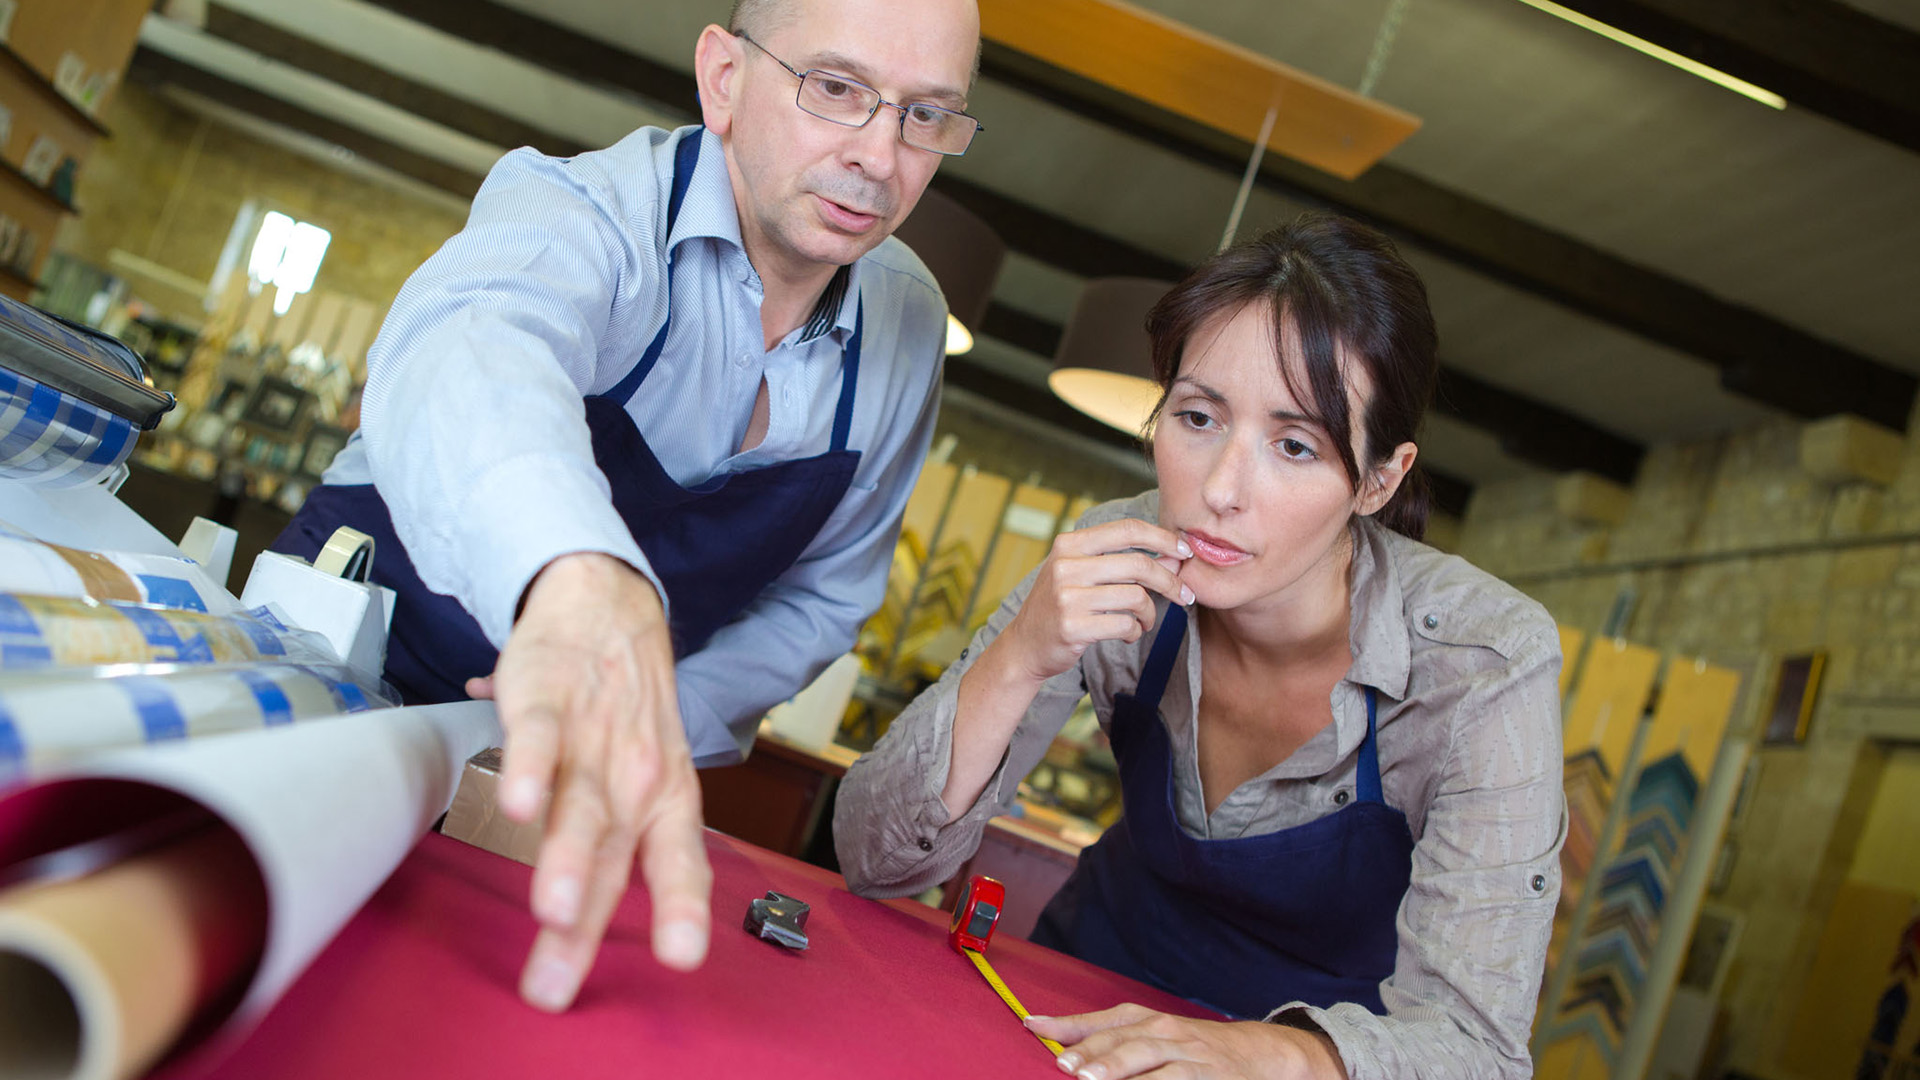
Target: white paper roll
point(327, 809)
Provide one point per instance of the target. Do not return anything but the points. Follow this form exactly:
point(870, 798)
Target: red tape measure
point(974, 916)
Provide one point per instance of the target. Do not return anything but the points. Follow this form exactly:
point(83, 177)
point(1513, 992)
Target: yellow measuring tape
point(1006, 995)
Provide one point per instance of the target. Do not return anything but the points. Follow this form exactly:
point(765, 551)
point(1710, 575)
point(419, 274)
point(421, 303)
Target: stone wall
point(168, 184)
point(1744, 549)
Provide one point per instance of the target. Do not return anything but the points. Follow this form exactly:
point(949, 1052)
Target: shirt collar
point(708, 212)
point(1382, 648)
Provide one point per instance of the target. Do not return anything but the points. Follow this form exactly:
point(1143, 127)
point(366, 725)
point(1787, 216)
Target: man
point(664, 399)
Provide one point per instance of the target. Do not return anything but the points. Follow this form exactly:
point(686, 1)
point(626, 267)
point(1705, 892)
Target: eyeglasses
point(840, 100)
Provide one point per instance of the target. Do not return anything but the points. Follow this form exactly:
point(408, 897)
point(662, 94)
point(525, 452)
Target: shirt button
point(1340, 797)
point(925, 844)
point(1539, 882)
point(1431, 622)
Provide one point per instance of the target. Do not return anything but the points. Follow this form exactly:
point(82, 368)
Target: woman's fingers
point(1122, 535)
point(1072, 1029)
point(1130, 567)
point(1129, 600)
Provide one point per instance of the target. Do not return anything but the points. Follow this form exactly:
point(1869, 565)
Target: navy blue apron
point(1245, 925)
point(715, 546)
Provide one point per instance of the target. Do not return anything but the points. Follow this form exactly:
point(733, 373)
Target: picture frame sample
point(1711, 949)
point(323, 442)
point(233, 394)
point(277, 407)
point(1795, 689)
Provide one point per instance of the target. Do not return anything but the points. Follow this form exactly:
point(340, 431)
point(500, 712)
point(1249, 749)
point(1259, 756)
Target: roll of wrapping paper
point(55, 439)
point(325, 810)
point(36, 567)
point(48, 719)
point(72, 400)
point(102, 973)
point(58, 631)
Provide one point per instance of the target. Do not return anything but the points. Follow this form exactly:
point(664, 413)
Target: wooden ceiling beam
point(445, 109)
point(1821, 55)
point(554, 47)
point(156, 69)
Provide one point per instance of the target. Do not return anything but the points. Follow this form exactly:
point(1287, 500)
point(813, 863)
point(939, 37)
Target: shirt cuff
point(1348, 1041)
point(711, 742)
point(521, 515)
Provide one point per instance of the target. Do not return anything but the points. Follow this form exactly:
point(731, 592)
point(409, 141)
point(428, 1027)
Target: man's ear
point(717, 66)
point(1386, 478)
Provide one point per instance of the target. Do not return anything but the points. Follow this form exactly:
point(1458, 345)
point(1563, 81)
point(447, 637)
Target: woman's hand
point(1133, 1040)
point(1096, 585)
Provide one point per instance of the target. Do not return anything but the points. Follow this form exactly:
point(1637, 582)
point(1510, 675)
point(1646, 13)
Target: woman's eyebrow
point(1287, 416)
point(1205, 391)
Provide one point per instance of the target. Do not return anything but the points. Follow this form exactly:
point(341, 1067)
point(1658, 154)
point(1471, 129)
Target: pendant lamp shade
point(964, 255)
point(1104, 366)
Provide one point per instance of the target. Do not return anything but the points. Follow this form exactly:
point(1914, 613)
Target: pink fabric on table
point(422, 984)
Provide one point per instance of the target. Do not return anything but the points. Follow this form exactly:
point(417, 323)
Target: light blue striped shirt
point(475, 432)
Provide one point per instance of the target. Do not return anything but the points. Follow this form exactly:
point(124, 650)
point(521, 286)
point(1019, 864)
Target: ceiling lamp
point(964, 255)
point(1104, 366)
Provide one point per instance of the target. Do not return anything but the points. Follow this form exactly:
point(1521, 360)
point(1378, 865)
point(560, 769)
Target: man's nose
point(876, 145)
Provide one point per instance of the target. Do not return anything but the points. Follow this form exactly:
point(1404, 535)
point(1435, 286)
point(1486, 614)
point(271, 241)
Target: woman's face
point(1254, 486)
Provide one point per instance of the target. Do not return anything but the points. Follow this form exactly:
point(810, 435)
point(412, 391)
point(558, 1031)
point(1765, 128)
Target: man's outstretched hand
point(586, 694)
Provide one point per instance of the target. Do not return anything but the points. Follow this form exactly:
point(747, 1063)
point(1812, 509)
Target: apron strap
point(686, 158)
point(849, 376)
point(1367, 779)
point(1166, 649)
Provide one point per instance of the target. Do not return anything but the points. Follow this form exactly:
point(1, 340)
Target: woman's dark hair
point(1338, 283)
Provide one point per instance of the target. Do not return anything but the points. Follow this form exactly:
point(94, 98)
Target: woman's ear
point(1386, 477)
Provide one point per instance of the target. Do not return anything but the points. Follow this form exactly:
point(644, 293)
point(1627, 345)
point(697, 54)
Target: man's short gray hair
point(758, 19)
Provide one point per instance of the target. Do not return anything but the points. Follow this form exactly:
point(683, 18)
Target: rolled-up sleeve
point(890, 827)
point(1474, 925)
point(474, 420)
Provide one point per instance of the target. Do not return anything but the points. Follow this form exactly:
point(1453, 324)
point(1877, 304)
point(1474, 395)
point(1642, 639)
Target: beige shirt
point(1467, 674)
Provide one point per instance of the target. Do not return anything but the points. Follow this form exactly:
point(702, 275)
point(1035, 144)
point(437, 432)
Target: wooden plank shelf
point(65, 104)
point(40, 191)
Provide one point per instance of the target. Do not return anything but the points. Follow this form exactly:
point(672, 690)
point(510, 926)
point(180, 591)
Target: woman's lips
point(845, 218)
point(1214, 551)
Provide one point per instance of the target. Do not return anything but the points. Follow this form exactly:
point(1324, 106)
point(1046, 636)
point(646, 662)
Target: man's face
point(811, 192)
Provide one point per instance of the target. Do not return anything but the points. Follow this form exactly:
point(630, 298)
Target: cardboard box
point(475, 816)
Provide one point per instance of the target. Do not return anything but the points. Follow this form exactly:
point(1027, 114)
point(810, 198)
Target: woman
point(1339, 749)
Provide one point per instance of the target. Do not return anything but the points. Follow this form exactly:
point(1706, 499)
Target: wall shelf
point(65, 104)
point(44, 194)
point(8, 273)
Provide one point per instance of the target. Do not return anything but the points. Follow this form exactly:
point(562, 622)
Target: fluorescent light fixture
point(1686, 64)
point(286, 254)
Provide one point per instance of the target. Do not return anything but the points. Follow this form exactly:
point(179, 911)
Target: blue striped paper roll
point(48, 719)
point(54, 439)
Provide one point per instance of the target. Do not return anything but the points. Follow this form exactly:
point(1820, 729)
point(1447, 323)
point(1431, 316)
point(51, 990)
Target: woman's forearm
point(994, 694)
